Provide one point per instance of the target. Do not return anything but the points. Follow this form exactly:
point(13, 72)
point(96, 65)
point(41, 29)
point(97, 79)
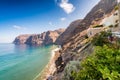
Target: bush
point(72, 66)
point(86, 36)
point(116, 25)
point(103, 64)
point(116, 8)
point(110, 26)
point(97, 26)
point(101, 39)
point(117, 21)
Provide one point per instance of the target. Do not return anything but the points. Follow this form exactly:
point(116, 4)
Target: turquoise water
point(22, 62)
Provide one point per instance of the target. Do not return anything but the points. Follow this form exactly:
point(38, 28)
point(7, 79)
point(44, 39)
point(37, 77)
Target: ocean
point(22, 62)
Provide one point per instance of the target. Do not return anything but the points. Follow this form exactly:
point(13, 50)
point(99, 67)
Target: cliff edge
point(44, 38)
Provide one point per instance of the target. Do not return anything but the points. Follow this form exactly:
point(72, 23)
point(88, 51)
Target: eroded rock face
point(65, 35)
point(96, 14)
point(44, 38)
point(35, 39)
point(21, 39)
point(51, 37)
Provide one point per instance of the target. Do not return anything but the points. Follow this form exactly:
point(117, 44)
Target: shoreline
point(50, 67)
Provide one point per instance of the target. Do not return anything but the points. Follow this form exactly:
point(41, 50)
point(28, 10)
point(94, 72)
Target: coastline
point(50, 67)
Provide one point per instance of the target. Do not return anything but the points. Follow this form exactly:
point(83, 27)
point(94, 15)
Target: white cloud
point(66, 6)
point(51, 24)
point(63, 19)
point(19, 27)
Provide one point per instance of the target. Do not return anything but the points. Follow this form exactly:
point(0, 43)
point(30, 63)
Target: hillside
point(94, 16)
point(76, 44)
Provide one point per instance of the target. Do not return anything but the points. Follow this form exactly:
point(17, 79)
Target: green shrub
point(103, 64)
point(116, 25)
point(86, 36)
point(117, 21)
point(97, 26)
point(110, 26)
point(116, 8)
point(101, 39)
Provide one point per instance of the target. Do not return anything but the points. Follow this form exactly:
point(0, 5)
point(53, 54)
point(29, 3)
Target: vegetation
point(116, 25)
point(117, 21)
point(86, 36)
point(103, 64)
point(96, 26)
point(72, 66)
point(111, 26)
point(116, 8)
point(101, 39)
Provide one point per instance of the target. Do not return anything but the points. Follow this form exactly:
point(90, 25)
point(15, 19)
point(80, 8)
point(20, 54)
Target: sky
point(36, 16)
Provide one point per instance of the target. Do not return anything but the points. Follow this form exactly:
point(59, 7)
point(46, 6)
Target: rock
point(65, 35)
point(35, 39)
point(51, 37)
point(44, 38)
point(21, 39)
point(59, 64)
point(60, 31)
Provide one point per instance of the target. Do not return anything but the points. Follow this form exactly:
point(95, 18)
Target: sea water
point(22, 62)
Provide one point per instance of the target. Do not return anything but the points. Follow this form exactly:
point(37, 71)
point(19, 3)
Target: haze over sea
point(22, 62)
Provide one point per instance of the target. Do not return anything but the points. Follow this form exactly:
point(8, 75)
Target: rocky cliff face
point(96, 14)
point(21, 39)
point(65, 35)
point(44, 38)
point(75, 46)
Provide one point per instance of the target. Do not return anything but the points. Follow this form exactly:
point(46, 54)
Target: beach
point(50, 67)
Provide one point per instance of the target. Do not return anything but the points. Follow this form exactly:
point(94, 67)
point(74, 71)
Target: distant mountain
point(21, 39)
point(44, 38)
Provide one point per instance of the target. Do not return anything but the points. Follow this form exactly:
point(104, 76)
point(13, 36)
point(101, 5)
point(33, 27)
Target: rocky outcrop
point(36, 39)
point(21, 39)
point(44, 38)
point(104, 7)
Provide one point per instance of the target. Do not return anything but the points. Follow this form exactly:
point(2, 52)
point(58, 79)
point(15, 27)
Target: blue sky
point(36, 16)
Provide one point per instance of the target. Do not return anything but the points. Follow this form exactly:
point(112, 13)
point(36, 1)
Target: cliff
point(95, 15)
point(75, 46)
point(21, 39)
point(65, 35)
point(44, 38)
